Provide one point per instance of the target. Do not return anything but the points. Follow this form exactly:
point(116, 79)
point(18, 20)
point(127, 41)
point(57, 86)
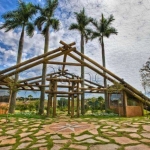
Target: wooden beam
point(38, 77)
point(33, 59)
point(67, 45)
point(35, 63)
point(64, 63)
point(63, 80)
point(86, 80)
point(93, 89)
point(61, 92)
point(29, 61)
point(91, 67)
point(112, 74)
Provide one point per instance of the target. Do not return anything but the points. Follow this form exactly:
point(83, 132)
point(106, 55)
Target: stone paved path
point(75, 134)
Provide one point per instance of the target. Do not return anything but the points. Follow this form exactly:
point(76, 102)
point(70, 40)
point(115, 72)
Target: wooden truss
point(62, 75)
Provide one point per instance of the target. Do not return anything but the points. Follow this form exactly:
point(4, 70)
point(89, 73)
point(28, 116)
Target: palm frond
point(40, 21)
point(95, 35)
point(110, 31)
point(10, 25)
point(74, 26)
point(55, 23)
point(95, 23)
point(30, 29)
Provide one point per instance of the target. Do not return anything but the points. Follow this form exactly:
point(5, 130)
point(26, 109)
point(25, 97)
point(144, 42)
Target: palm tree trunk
point(19, 56)
point(82, 75)
point(42, 97)
point(104, 65)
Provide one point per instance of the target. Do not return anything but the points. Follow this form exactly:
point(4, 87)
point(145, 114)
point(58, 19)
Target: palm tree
point(19, 18)
point(103, 29)
point(43, 23)
point(81, 26)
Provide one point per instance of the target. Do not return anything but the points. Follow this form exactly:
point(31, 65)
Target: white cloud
point(125, 53)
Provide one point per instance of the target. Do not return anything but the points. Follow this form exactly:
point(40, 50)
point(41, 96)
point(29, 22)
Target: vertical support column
point(49, 103)
point(54, 99)
point(125, 103)
point(72, 100)
point(69, 100)
point(78, 104)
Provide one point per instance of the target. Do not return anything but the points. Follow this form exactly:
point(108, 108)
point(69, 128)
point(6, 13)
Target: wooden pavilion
point(73, 82)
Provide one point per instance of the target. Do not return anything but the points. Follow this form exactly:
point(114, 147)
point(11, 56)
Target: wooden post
point(54, 99)
point(49, 103)
point(72, 101)
point(69, 100)
point(78, 106)
point(72, 105)
point(125, 103)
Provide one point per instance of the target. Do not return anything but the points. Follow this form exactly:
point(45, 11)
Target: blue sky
point(125, 53)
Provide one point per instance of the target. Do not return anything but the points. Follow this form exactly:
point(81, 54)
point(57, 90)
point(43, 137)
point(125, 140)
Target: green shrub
point(31, 106)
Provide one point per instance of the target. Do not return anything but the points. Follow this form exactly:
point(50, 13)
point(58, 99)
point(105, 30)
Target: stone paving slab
point(102, 139)
point(124, 140)
point(127, 130)
point(146, 127)
point(26, 139)
point(4, 137)
point(6, 148)
point(135, 135)
point(89, 141)
point(56, 147)
point(43, 148)
point(138, 147)
point(25, 134)
point(38, 145)
point(60, 141)
point(146, 135)
point(8, 141)
point(104, 147)
point(145, 140)
point(82, 137)
point(79, 147)
point(55, 137)
point(23, 145)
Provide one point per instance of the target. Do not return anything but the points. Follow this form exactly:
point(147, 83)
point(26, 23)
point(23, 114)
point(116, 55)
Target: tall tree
point(81, 26)
point(43, 23)
point(19, 18)
point(103, 29)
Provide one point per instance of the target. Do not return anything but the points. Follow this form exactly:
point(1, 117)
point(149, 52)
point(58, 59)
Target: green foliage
point(31, 106)
point(103, 28)
point(95, 104)
point(62, 103)
point(81, 25)
point(116, 87)
point(22, 107)
point(46, 18)
point(19, 18)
